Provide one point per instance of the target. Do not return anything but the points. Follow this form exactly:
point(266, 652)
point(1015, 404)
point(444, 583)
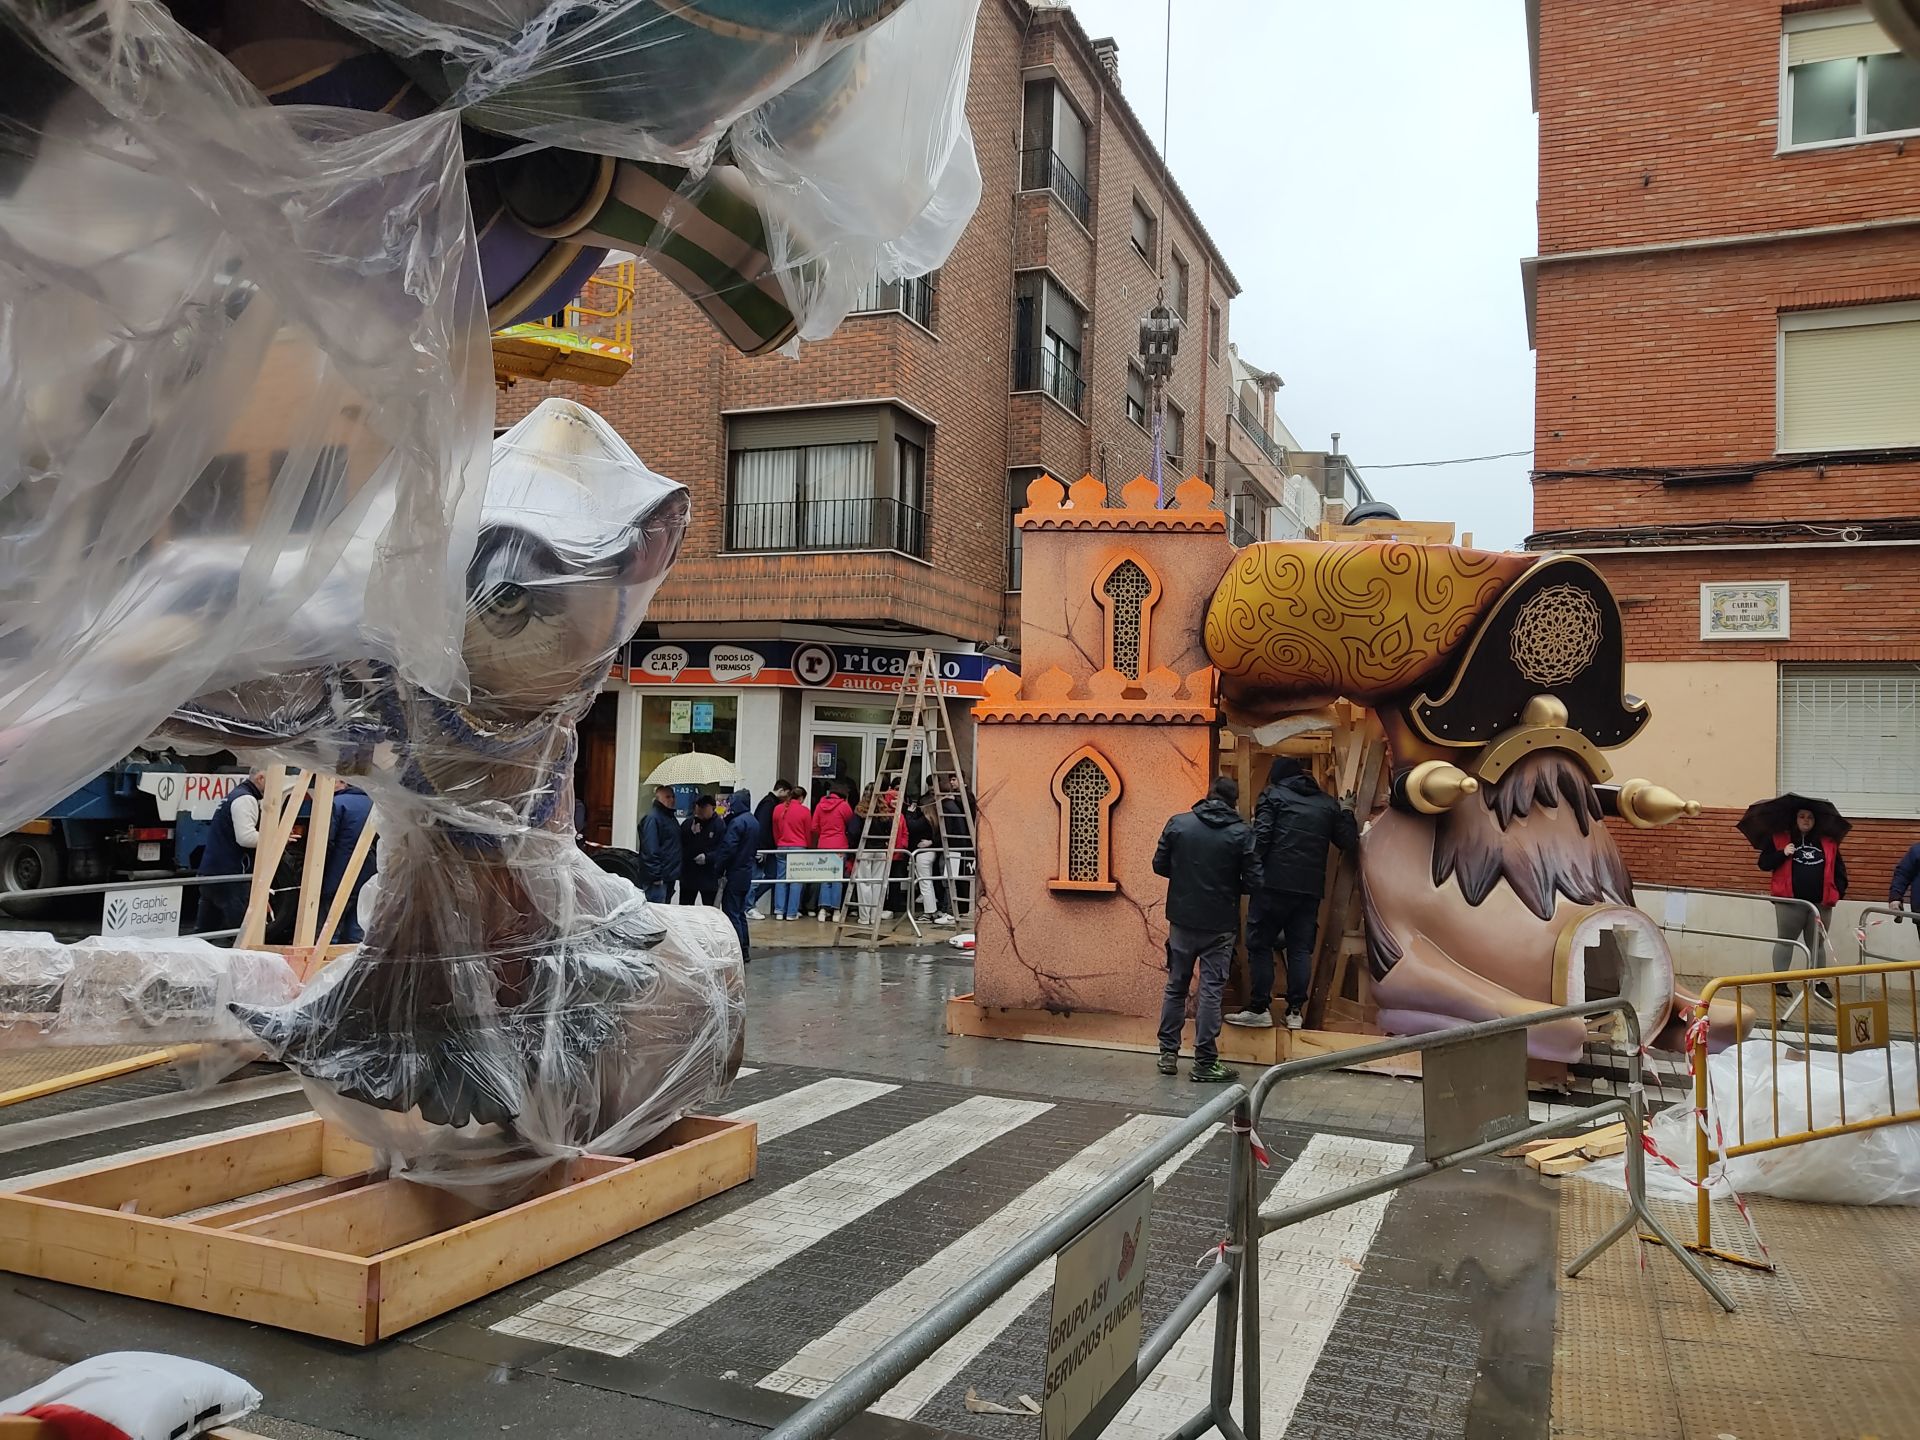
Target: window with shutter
point(1850, 379)
point(1845, 80)
point(1851, 734)
point(1142, 228)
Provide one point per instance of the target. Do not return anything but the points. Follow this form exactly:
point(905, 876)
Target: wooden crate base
point(1127, 1032)
point(287, 1225)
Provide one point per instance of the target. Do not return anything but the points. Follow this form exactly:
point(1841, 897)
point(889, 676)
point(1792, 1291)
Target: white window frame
point(1783, 128)
point(1854, 315)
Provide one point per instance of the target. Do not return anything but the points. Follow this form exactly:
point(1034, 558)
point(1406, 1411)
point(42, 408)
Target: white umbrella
point(694, 767)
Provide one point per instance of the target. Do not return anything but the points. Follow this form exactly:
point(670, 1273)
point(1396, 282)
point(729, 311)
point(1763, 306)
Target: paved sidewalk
point(1823, 1350)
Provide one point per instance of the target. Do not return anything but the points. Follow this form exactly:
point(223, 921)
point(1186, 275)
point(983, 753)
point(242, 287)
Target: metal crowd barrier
point(9, 898)
point(1813, 925)
point(1862, 1024)
point(1474, 1084)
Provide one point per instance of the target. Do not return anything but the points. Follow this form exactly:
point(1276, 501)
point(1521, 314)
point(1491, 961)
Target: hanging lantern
point(1159, 342)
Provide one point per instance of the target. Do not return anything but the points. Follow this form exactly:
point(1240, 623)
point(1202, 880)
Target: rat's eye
point(506, 600)
point(505, 609)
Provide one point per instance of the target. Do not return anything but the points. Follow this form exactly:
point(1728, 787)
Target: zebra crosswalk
point(960, 1179)
point(874, 1199)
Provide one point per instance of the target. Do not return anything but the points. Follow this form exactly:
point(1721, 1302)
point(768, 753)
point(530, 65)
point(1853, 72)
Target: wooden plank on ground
point(364, 1220)
point(252, 1207)
point(431, 1276)
point(184, 1264)
point(198, 1175)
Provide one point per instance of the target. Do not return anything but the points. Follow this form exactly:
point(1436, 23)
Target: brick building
point(1726, 315)
point(857, 501)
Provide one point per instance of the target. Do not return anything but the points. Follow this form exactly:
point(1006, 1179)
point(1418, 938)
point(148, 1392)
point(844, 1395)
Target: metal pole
point(1221, 1398)
point(1247, 1238)
point(1702, 1156)
point(1637, 1184)
point(1183, 1316)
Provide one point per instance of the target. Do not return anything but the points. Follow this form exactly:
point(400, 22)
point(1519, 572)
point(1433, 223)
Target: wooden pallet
point(337, 1249)
point(1130, 1032)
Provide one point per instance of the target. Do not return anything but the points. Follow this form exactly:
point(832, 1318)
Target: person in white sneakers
point(926, 857)
point(1294, 825)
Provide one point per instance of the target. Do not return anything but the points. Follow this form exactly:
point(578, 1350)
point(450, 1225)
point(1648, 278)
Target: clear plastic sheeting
point(236, 341)
point(1867, 1167)
point(123, 990)
point(512, 1004)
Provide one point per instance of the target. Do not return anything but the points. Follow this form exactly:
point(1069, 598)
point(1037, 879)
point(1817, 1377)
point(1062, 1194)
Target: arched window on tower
point(1126, 590)
point(1085, 787)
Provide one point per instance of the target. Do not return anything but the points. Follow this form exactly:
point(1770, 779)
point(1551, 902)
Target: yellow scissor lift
point(594, 345)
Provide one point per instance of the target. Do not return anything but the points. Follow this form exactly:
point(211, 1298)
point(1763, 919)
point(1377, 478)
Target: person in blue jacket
point(733, 858)
point(660, 845)
point(351, 811)
point(1905, 890)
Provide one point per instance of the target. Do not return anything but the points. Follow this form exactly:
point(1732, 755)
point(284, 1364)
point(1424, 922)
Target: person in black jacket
point(734, 859)
point(660, 844)
point(1208, 857)
point(1293, 825)
point(699, 834)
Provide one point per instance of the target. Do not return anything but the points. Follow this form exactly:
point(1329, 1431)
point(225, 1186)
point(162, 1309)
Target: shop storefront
point(795, 707)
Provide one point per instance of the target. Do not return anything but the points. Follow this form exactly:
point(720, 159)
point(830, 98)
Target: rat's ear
point(656, 541)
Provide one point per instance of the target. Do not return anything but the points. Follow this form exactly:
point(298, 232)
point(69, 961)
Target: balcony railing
point(1239, 533)
point(1043, 169)
point(868, 522)
point(1249, 419)
point(1044, 370)
point(912, 298)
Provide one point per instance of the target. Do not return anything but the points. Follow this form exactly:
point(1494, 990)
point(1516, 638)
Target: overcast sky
point(1368, 170)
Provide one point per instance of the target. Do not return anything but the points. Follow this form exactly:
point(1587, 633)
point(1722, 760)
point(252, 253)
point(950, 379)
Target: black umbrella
point(1765, 819)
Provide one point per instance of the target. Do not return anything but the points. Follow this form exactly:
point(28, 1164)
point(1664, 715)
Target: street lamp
point(1159, 343)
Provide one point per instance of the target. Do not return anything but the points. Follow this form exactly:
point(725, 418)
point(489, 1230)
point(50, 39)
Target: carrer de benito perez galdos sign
point(1099, 1280)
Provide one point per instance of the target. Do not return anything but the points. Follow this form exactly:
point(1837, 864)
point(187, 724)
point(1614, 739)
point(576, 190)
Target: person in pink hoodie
point(792, 830)
point(835, 827)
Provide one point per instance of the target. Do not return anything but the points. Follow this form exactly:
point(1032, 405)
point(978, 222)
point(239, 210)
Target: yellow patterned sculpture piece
point(1299, 623)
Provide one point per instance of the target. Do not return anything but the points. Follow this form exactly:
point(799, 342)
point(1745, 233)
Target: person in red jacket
point(792, 830)
point(1805, 866)
point(834, 828)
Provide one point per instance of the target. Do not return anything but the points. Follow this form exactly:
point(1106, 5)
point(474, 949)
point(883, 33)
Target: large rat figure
point(512, 1003)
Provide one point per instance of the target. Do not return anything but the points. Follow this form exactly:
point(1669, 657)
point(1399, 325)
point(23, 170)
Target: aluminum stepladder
point(919, 723)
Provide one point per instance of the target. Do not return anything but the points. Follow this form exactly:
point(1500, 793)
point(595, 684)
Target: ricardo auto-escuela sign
point(804, 664)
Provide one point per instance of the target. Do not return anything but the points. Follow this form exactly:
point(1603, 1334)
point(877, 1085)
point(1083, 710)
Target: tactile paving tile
point(1818, 1349)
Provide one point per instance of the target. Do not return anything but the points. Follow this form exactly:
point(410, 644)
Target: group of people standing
point(233, 838)
point(737, 859)
point(1211, 857)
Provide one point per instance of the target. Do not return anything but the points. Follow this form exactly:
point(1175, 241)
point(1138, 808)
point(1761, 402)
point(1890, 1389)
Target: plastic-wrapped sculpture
point(511, 1001)
point(250, 255)
point(1491, 886)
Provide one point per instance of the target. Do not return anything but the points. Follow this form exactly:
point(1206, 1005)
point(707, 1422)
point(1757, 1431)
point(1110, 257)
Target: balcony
point(1044, 370)
point(1249, 419)
point(912, 298)
point(1042, 169)
point(867, 522)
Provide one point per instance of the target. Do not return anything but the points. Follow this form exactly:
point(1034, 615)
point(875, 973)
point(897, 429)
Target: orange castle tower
point(1108, 731)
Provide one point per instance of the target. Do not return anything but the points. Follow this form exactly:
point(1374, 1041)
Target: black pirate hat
point(1555, 632)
